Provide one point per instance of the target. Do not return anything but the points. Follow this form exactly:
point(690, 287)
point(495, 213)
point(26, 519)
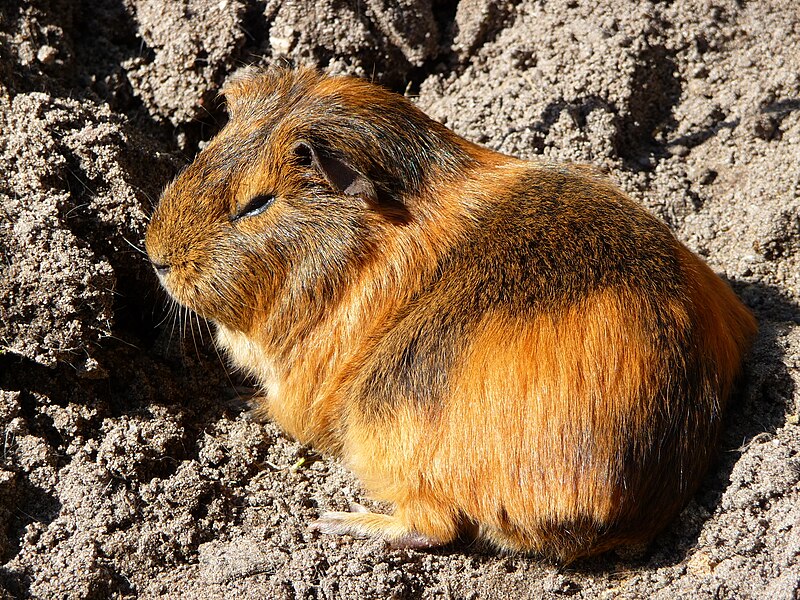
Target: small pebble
point(47, 55)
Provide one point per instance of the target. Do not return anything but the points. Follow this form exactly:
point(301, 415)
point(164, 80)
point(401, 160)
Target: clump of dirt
point(129, 467)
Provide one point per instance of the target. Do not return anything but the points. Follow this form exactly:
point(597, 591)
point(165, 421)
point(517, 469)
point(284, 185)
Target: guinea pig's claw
point(336, 523)
point(355, 507)
point(363, 524)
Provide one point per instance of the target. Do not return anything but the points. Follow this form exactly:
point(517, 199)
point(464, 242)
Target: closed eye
point(255, 206)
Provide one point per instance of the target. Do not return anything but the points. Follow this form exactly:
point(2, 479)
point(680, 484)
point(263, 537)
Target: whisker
point(190, 325)
point(184, 321)
point(197, 318)
point(134, 246)
point(167, 315)
point(174, 313)
point(75, 209)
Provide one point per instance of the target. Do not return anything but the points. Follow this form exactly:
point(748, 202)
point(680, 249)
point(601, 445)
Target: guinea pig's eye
point(255, 206)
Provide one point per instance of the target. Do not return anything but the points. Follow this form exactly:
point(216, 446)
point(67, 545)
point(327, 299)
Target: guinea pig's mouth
point(176, 285)
point(199, 293)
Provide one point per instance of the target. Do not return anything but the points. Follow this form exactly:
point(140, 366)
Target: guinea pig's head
point(292, 197)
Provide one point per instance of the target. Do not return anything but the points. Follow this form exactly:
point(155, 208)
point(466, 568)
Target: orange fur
point(513, 348)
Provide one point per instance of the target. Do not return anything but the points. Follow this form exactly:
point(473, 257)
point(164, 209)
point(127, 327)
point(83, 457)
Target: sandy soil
point(129, 468)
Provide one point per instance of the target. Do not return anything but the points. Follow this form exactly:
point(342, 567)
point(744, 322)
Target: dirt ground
point(128, 466)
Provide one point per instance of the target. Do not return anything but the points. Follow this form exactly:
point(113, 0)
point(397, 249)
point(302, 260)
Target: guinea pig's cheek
point(216, 293)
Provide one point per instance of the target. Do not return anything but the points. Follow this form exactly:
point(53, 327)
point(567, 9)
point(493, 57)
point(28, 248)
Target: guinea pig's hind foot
point(373, 525)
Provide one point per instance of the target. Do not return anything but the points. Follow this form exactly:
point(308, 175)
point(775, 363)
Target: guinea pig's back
point(575, 360)
point(603, 369)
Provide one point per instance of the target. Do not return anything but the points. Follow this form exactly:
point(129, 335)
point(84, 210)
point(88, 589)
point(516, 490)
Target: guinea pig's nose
point(161, 269)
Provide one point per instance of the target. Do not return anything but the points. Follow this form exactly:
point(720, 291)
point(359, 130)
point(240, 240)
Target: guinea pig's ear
point(342, 176)
point(236, 90)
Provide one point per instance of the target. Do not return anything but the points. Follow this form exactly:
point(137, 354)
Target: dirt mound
point(128, 465)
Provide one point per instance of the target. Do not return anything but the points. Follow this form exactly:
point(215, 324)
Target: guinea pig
point(505, 348)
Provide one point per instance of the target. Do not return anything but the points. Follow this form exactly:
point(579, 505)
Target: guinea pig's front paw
point(249, 402)
point(240, 398)
point(362, 524)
